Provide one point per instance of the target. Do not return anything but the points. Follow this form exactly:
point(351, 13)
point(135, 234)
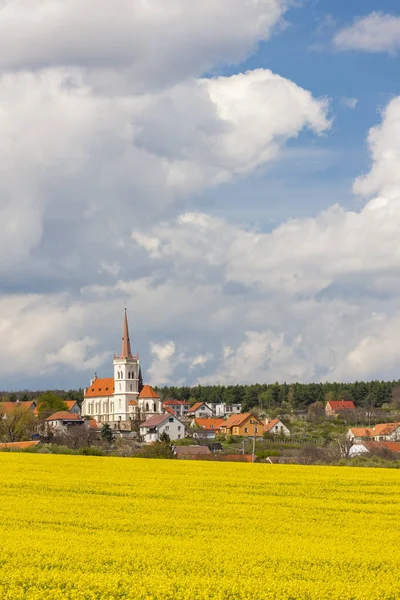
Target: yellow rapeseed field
point(89, 528)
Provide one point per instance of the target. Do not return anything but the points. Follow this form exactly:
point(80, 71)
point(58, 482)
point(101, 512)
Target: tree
point(107, 433)
point(49, 403)
point(164, 437)
point(315, 411)
point(345, 444)
point(17, 424)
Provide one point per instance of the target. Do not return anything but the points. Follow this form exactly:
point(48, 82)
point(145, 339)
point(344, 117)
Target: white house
point(200, 410)
point(178, 407)
point(381, 432)
point(276, 427)
point(63, 421)
point(226, 410)
point(206, 429)
point(156, 425)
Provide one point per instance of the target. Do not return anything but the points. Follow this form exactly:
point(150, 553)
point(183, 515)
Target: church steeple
point(126, 344)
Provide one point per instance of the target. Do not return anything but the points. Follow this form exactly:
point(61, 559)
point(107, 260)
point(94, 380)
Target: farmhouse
point(334, 407)
point(368, 447)
point(244, 425)
point(62, 421)
point(206, 428)
point(200, 410)
point(276, 427)
point(382, 432)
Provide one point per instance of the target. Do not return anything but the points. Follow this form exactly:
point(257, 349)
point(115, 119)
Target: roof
point(237, 457)
point(133, 403)
point(169, 410)
point(378, 429)
point(341, 404)
point(191, 450)
point(9, 407)
point(93, 424)
point(175, 403)
point(70, 403)
point(271, 424)
point(126, 343)
point(100, 387)
point(392, 446)
point(63, 415)
point(209, 424)
point(155, 420)
point(148, 392)
point(237, 420)
point(19, 445)
point(197, 406)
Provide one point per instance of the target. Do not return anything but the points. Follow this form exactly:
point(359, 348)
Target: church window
point(119, 404)
point(147, 406)
point(129, 374)
point(154, 407)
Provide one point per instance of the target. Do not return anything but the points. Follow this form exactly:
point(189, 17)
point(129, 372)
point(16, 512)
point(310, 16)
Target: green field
point(111, 528)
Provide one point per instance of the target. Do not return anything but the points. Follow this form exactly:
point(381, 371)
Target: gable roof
point(9, 407)
point(70, 404)
point(100, 387)
point(392, 446)
point(63, 415)
point(378, 429)
point(155, 420)
point(209, 424)
point(133, 403)
point(175, 403)
point(148, 392)
point(341, 404)
point(271, 424)
point(238, 420)
point(197, 406)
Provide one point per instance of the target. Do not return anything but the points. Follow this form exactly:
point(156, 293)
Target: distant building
point(154, 426)
point(361, 448)
point(225, 410)
point(192, 452)
point(63, 421)
point(73, 407)
point(178, 407)
point(200, 410)
point(382, 432)
point(206, 429)
point(335, 407)
point(276, 427)
point(243, 425)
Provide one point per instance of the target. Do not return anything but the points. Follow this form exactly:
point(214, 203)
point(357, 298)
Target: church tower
point(127, 376)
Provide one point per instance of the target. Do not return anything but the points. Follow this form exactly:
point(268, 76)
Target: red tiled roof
point(93, 424)
point(341, 404)
point(209, 424)
point(237, 420)
point(169, 410)
point(392, 446)
point(70, 403)
point(236, 457)
point(270, 425)
point(376, 430)
point(100, 387)
point(63, 415)
point(8, 407)
point(196, 406)
point(19, 445)
point(148, 392)
point(133, 403)
point(175, 402)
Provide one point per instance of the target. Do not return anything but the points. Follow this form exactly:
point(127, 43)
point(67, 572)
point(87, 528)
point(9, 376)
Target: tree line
point(296, 396)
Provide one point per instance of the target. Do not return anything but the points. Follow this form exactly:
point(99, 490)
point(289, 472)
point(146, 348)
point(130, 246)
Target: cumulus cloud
point(162, 365)
point(146, 44)
point(376, 32)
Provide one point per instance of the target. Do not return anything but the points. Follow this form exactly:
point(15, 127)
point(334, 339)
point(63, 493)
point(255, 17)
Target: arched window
point(119, 403)
point(147, 406)
point(129, 374)
point(155, 407)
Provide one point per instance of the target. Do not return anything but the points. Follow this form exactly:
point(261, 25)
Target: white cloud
point(349, 102)
point(162, 365)
point(153, 43)
point(377, 32)
point(74, 354)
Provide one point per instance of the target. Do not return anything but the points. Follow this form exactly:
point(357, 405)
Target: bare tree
point(17, 424)
point(345, 444)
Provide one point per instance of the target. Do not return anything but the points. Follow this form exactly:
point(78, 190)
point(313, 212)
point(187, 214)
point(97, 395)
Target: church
point(121, 399)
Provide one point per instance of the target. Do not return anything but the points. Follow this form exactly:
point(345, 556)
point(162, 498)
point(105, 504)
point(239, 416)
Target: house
point(367, 447)
point(200, 410)
point(178, 407)
point(382, 432)
point(245, 424)
point(63, 420)
point(226, 410)
point(335, 407)
point(155, 425)
point(73, 407)
point(6, 408)
point(206, 428)
point(276, 427)
point(192, 452)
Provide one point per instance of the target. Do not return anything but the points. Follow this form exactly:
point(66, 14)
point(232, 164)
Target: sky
point(228, 171)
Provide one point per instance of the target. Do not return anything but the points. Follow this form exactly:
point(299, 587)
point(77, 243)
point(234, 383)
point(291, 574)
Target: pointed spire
point(126, 344)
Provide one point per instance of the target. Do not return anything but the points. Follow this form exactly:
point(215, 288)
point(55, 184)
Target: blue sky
point(211, 167)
